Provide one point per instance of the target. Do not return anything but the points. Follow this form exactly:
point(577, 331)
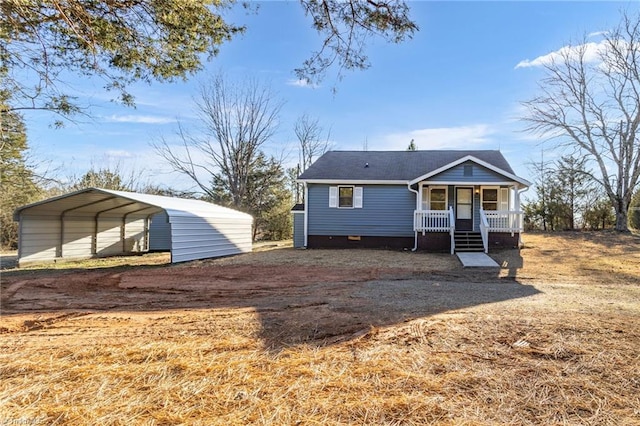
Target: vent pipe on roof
point(366, 165)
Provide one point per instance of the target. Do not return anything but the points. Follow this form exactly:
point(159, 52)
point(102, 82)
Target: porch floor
point(476, 260)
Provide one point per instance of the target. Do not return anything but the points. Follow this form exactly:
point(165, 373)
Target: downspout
point(415, 232)
point(526, 188)
point(306, 213)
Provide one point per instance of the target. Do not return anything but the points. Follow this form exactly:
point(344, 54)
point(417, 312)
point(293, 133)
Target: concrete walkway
point(476, 260)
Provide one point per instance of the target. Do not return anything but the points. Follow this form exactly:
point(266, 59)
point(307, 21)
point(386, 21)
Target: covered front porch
point(467, 217)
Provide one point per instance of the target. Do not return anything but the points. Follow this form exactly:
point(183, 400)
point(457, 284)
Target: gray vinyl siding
point(298, 230)
point(160, 233)
point(479, 174)
point(387, 211)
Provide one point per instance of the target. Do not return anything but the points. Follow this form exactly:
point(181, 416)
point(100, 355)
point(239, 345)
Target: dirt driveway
point(300, 296)
point(296, 302)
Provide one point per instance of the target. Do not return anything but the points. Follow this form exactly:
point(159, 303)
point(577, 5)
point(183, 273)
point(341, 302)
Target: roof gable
point(470, 158)
point(399, 167)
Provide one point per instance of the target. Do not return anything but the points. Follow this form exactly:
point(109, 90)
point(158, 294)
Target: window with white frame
point(494, 198)
point(434, 198)
point(438, 198)
point(345, 197)
point(489, 198)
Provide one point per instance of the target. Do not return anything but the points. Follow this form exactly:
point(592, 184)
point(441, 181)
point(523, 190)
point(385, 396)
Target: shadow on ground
point(8, 261)
point(296, 304)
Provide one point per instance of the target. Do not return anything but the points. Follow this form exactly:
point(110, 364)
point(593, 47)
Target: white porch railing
point(436, 221)
point(433, 220)
point(499, 221)
point(504, 220)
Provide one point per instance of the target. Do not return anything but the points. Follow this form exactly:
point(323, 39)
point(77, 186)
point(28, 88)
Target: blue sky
point(457, 84)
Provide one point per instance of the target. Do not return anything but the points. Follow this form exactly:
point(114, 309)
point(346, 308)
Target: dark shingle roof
point(298, 207)
point(392, 165)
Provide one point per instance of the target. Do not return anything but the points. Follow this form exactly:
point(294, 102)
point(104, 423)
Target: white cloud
point(140, 119)
point(118, 154)
point(463, 137)
point(301, 83)
point(592, 53)
point(597, 34)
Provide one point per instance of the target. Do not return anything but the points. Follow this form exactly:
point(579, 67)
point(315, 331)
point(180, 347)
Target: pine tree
point(17, 185)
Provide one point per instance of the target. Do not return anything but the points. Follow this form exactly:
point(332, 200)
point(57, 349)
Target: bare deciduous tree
point(309, 134)
point(593, 106)
point(311, 144)
point(238, 119)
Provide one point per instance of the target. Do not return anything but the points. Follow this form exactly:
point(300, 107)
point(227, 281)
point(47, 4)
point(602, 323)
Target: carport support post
point(123, 233)
point(124, 225)
point(20, 238)
point(97, 219)
point(94, 240)
point(64, 212)
point(146, 232)
point(61, 242)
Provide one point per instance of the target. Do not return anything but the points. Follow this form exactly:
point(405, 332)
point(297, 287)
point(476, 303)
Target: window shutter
point(504, 199)
point(333, 196)
point(357, 197)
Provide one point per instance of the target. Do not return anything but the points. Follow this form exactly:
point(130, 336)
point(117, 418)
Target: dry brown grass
point(568, 354)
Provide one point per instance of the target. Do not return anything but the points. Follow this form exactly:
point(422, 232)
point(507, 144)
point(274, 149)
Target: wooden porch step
point(468, 241)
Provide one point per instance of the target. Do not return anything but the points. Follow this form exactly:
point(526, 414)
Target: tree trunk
point(622, 219)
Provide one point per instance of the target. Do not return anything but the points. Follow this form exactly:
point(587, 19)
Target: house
point(97, 222)
point(428, 200)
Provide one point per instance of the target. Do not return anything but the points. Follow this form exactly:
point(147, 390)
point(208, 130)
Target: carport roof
point(93, 201)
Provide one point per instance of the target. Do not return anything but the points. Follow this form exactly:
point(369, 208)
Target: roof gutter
point(353, 181)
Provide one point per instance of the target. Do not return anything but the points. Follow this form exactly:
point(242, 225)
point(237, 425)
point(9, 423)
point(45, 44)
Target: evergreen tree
point(267, 198)
point(576, 184)
point(600, 213)
point(17, 182)
point(44, 43)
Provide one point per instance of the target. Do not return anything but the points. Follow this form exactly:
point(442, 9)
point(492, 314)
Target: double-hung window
point(489, 198)
point(345, 197)
point(438, 199)
point(495, 198)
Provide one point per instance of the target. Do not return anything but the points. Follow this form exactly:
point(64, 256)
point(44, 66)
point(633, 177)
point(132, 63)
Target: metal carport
point(96, 222)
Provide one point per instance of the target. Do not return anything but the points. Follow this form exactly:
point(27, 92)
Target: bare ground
point(289, 336)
